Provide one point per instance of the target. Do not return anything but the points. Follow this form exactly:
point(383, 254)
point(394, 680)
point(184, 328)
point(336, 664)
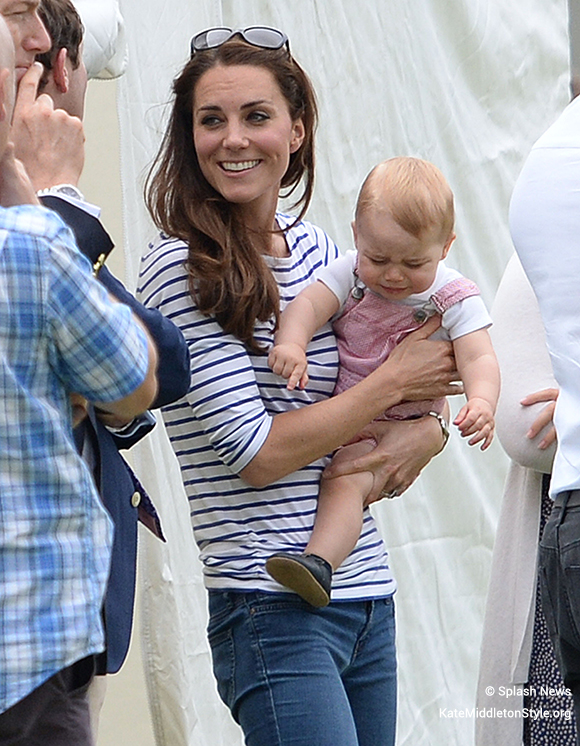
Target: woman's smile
point(238, 166)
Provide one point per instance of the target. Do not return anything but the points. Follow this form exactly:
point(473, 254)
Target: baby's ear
point(447, 246)
point(353, 226)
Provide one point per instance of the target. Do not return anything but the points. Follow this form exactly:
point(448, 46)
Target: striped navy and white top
point(225, 418)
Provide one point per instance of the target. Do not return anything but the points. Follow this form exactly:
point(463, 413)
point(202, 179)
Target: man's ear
point(60, 71)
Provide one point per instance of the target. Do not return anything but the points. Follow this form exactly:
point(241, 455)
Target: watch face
point(70, 191)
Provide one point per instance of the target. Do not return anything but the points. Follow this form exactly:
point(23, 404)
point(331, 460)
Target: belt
point(569, 498)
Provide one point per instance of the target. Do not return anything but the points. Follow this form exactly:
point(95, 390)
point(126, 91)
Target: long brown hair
point(228, 276)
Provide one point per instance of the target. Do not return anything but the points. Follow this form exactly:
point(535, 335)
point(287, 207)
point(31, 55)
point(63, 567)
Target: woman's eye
point(210, 120)
point(258, 116)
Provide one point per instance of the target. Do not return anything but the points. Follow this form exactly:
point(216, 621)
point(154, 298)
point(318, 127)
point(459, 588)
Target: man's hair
point(414, 191)
point(65, 29)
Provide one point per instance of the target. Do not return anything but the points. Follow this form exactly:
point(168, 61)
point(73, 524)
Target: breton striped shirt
point(58, 333)
point(224, 420)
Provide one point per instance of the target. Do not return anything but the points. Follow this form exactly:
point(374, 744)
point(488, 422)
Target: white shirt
point(462, 318)
point(545, 226)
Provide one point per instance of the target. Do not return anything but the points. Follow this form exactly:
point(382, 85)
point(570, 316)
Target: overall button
point(421, 315)
point(135, 499)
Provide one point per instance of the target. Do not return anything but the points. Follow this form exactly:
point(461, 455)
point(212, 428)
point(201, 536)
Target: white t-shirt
point(462, 318)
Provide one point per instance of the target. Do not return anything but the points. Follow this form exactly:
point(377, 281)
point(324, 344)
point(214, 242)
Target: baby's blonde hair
point(414, 191)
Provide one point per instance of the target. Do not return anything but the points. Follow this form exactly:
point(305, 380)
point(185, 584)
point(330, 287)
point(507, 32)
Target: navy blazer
point(121, 493)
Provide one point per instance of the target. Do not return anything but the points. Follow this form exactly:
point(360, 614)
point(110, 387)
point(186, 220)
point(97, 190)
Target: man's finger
point(28, 88)
point(46, 101)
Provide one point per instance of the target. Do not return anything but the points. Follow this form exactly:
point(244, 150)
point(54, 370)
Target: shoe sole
point(298, 578)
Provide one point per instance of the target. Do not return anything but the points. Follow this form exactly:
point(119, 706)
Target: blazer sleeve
point(173, 373)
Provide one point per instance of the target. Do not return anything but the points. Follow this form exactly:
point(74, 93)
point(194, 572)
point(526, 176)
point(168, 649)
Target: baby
point(375, 296)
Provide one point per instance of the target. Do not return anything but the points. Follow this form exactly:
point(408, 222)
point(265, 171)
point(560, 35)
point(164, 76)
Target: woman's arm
point(228, 387)
point(418, 368)
point(519, 340)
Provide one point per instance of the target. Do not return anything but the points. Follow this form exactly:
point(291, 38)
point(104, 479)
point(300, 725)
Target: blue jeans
point(293, 675)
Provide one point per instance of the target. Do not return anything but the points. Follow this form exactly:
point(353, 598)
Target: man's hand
point(15, 186)
point(79, 406)
point(49, 142)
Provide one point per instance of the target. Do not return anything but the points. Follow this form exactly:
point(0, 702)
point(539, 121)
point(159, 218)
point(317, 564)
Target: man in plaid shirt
point(59, 333)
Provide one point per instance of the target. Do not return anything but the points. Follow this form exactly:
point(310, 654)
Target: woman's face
point(243, 134)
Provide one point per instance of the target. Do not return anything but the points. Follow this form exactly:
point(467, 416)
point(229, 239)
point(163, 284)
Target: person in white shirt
point(545, 226)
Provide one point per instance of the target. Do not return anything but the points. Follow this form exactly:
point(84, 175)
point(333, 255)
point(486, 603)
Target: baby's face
point(392, 262)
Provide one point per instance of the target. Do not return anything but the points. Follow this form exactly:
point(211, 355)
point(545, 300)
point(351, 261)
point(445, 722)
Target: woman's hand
point(425, 368)
point(545, 418)
point(403, 449)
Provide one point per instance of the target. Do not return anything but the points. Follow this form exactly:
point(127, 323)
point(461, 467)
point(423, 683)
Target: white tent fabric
point(469, 85)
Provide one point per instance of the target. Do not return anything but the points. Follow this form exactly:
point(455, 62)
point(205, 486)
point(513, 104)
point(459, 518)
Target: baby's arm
point(301, 318)
point(479, 371)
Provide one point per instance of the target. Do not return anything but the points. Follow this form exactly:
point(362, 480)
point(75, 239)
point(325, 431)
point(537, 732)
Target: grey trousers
point(559, 559)
point(54, 714)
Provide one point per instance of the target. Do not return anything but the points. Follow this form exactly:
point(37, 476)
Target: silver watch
point(68, 190)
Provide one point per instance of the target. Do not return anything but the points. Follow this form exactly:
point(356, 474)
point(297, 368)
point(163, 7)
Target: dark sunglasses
point(258, 36)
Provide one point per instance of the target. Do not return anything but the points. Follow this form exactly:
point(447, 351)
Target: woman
point(252, 452)
point(518, 670)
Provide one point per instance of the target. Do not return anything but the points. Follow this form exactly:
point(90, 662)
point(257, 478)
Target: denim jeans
point(560, 587)
point(293, 675)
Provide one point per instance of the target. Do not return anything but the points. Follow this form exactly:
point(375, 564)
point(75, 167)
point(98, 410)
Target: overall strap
point(453, 292)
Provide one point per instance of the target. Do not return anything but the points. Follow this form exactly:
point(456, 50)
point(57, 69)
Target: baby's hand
point(289, 361)
point(476, 418)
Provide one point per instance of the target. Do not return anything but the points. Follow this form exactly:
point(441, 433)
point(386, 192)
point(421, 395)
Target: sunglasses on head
point(258, 36)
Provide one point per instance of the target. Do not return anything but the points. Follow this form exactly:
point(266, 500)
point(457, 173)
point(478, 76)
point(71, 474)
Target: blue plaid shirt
point(59, 333)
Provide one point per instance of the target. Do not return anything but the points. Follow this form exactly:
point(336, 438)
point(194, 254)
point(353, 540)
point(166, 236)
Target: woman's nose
point(234, 137)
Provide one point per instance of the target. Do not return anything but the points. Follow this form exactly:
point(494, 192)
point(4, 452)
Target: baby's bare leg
point(336, 530)
point(340, 507)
